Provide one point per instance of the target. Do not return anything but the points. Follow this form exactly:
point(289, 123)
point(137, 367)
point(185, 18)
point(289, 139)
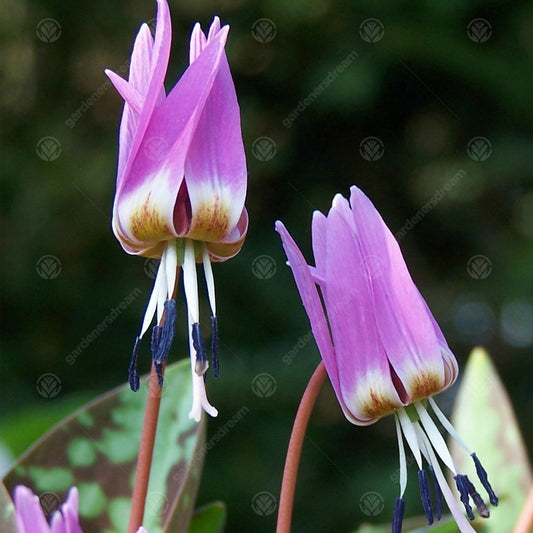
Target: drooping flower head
point(181, 180)
point(383, 350)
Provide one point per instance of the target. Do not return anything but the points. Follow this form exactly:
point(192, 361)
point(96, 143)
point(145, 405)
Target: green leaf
point(96, 449)
point(7, 514)
point(210, 518)
point(445, 525)
point(484, 419)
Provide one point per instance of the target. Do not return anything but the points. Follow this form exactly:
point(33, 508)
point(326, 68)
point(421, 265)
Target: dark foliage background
point(425, 89)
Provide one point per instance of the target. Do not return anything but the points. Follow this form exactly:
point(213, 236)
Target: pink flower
point(181, 180)
point(382, 349)
point(30, 518)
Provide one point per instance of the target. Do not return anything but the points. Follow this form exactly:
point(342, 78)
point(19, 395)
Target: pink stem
point(146, 451)
point(294, 451)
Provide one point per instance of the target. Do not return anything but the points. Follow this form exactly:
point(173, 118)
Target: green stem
point(294, 451)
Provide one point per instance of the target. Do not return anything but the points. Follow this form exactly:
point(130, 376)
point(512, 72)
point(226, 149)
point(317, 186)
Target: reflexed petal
point(213, 29)
point(140, 63)
point(197, 43)
point(147, 82)
point(215, 169)
point(403, 321)
point(319, 238)
point(132, 97)
point(366, 383)
point(313, 306)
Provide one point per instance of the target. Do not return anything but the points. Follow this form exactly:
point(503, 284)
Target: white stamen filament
point(162, 293)
point(210, 281)
point(410, 435)
point(419, 431)
point(199, 395)
point(403, 460)
point(190, 282)
point(171, 267)
point(158, 288)
point(447, 425)
point(435, 437)
point(453, 506)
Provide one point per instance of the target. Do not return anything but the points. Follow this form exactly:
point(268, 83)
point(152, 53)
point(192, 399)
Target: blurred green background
point(431, 91)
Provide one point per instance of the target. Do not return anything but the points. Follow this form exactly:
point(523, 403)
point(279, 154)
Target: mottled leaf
point(96, 449)
point(484, 419)
point(210, 518)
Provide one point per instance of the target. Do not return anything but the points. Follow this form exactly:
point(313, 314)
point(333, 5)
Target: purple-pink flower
point(383, 350)
point(30, 518)
point(181, 180)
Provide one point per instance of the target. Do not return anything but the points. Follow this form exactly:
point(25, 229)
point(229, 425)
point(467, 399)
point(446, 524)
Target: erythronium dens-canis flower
point(181, 183)
point(30, 518)
point(383, 350)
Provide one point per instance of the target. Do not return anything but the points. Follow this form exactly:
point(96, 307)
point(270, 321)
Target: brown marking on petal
point(424, 385)
point(378, 405)
point(210, 221)
point(147, 224)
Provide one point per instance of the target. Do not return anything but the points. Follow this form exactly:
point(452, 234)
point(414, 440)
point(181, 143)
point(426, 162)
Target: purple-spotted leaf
point(484, 418)
point(96, 449)
point(7, 512)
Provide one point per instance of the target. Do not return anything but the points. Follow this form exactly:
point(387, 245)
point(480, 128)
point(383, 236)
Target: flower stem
point(525, 521)
point(294, 451)
point(146, 450)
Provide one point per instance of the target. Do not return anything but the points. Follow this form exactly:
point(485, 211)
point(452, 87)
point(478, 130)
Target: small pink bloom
point(30, 518)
